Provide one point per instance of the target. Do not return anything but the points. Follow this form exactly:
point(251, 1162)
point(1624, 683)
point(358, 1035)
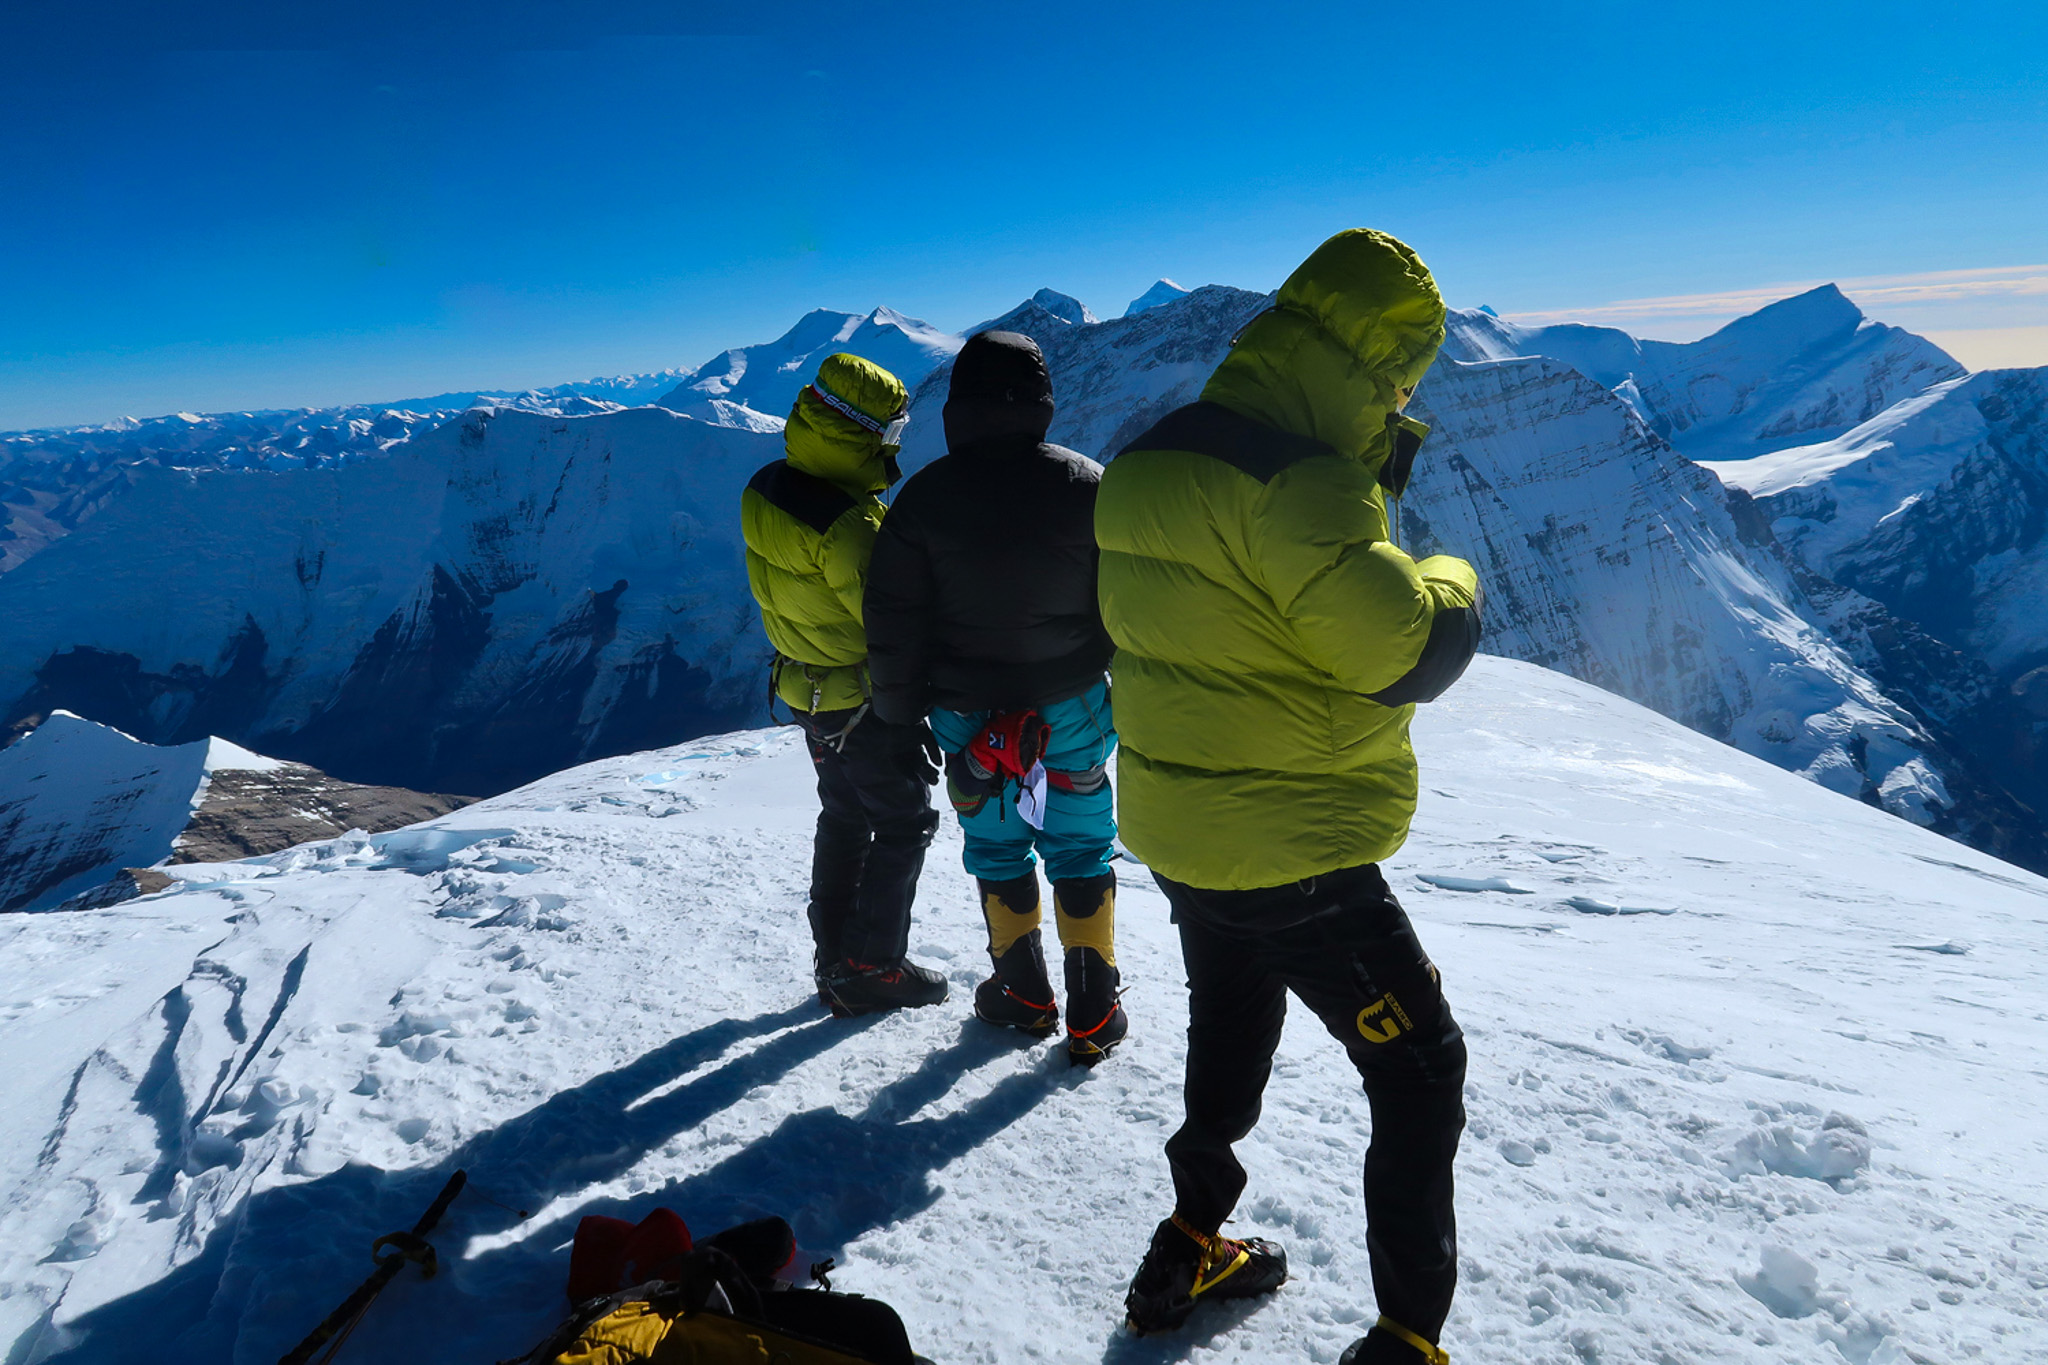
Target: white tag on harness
point(1031, 797)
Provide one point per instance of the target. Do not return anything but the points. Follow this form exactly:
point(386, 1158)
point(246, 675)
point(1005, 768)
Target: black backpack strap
point(1242, 442)
point(815, 502)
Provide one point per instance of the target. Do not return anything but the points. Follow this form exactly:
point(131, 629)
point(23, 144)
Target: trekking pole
point(404, 1246)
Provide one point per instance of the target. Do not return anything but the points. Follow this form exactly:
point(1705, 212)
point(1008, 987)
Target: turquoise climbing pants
point(1080, 811)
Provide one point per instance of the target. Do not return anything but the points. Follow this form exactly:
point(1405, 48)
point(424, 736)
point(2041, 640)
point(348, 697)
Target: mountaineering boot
point(1183, 1265)
point(858, 988)
point(1086, 910)
point(1389, 1343)
point(1018, 995)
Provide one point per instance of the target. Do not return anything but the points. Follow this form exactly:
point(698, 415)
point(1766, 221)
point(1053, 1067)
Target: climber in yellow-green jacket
point(1271, 644)
point(809, 521)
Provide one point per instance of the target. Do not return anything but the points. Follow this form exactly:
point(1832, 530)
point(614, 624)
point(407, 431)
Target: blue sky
point(227, 207)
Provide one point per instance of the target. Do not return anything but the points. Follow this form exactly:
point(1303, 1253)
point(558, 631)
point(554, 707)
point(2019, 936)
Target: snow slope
point(1754, 1076)
point(498, 598)
point(755, 385)
point(1805, 368)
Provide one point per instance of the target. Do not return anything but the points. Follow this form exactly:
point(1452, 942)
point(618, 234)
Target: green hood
point(1358, 320)
point(832, 446)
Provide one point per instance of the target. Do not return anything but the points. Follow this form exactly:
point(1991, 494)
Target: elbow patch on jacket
point(1453, 640)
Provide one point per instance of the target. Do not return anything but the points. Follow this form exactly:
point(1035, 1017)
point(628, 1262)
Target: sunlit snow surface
point(1756, 1076)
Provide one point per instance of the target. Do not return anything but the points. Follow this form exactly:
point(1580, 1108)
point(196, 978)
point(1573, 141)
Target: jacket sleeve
point(1363, 611)
point(899, 608)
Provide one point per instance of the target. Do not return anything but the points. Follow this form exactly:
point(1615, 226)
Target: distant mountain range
point(1809, 535)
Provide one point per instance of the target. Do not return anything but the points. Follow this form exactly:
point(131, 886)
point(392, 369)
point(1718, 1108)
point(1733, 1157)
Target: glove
point(967, 780)
point(1010, 742)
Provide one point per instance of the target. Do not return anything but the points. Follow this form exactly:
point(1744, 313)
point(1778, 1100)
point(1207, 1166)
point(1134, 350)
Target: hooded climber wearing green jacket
point(1272, 642)
point(809, 521)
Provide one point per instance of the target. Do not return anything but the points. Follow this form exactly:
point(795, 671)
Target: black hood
point(1001, 393)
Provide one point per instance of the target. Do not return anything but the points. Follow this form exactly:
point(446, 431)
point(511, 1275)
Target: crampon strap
point(1431, 1352)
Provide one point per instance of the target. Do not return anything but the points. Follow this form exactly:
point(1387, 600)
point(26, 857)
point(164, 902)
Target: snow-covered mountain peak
point(1165, 291)
point(80, 801)
point(1065, 307)
point(1803, 369)
point(764, 380)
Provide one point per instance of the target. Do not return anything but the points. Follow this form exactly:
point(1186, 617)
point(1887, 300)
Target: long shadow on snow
point(836, 1177)
point(262, 1281)
point(318, 1231)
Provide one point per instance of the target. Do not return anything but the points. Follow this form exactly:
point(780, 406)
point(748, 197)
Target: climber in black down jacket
point(981, 614)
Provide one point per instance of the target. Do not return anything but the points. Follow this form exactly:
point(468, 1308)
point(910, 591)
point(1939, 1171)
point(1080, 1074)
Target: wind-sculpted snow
point(496, 599)
point(1804, 368)
point(1791, 1116)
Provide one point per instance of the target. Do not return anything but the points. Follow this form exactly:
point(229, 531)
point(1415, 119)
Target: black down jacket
point(981, 592)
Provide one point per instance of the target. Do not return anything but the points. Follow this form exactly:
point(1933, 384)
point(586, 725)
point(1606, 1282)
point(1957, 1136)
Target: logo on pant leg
point(1383, 1020)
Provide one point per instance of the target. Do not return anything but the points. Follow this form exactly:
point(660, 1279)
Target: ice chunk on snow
point(1785, 1282)
point(1473, 884)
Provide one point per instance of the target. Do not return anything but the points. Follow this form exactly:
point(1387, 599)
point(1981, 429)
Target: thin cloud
point(1932, 286)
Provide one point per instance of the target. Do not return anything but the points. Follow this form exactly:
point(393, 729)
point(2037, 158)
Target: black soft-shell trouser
point(874, 823)
point(1343, 944)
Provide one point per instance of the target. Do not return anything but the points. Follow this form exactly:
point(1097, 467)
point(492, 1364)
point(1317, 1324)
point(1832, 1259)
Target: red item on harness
point(1010, 744)
point(610, 1254)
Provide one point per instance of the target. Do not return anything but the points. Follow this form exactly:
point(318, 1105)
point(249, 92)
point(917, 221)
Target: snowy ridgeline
point(1754, 1076)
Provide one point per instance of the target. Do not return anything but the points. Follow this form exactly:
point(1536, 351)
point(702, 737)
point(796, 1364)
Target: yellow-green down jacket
point(809, 521)
point(1271, 641)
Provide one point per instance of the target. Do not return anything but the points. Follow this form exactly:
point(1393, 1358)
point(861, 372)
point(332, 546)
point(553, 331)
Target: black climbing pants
point(875, 821)
point(1342, 943)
